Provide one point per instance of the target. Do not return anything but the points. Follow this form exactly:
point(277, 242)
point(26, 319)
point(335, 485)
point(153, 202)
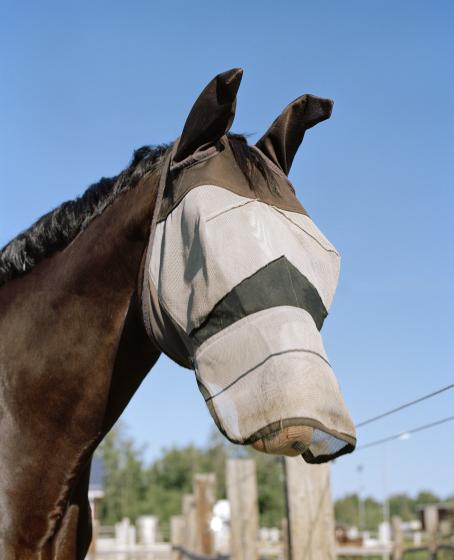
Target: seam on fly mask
point(229, 209)
point(330, 248)
point(205, 346)
point(239, 205)
point(320, 239)
point(269, 357)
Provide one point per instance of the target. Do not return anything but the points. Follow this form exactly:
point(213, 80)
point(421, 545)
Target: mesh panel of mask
point(268, 369)
point(215, 239)
point(248, 284)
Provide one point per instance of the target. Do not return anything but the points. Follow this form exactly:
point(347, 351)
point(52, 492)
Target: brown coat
point(73, 351)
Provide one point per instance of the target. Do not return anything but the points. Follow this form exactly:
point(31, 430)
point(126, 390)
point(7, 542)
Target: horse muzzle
point(267, 383)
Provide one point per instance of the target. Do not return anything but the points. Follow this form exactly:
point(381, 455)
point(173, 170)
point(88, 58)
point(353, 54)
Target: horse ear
point(282, 140)
point(211, 115)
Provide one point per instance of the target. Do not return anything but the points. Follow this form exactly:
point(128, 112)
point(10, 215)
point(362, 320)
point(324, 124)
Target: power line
point(406, 433)
point(406, 405)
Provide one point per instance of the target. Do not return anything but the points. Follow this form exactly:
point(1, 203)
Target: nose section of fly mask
point(268, 382)
point(290, 441)
point(248, 286)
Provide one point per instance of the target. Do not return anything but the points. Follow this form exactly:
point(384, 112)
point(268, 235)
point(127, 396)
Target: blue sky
point(84, 84)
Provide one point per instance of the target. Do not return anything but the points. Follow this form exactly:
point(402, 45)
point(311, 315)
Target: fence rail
point(363, 552)
point(437, 554)
point(187, 555)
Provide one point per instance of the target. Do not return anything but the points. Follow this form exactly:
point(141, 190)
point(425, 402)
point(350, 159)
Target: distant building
point(439, 517)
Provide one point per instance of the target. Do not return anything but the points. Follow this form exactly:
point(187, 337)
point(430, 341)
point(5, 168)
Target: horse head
point(200, 250)
point(238, 279)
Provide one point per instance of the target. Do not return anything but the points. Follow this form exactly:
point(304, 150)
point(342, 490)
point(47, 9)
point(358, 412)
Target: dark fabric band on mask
point(277, 284)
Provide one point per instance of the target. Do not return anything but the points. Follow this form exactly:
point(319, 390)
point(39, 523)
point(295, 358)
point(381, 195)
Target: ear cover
point(282, 140)
point(211, 115)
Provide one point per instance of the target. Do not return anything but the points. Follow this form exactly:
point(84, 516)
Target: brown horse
point(200, 250)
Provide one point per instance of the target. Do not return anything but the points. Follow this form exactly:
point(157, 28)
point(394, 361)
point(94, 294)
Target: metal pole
point(386, 517)
point(287, 511)
point(361, 516)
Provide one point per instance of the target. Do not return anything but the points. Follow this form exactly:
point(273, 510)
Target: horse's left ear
point(211, 115)
point(282, 140)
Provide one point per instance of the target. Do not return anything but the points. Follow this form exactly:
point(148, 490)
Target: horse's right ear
point(211, 115)
point(282, 140)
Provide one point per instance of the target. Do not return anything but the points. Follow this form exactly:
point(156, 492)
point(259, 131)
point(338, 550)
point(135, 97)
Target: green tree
point(373, 513)
point(426, 497)
point(168, 478)
point(270, 482)
point(132, 488)
point(403, 506)
point(124, 484)
point(346, 510)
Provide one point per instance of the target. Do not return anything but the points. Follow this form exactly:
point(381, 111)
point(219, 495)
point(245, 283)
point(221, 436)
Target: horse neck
point(70, 330)
point(103, 254)
point(79, 306)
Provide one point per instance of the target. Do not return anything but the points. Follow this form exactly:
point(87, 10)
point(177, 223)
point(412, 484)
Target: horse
point(198, 249)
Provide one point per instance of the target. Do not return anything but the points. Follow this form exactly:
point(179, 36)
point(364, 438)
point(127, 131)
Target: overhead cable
point(406, 405)
point(402, 435)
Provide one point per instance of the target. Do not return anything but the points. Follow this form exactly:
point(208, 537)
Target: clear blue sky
point(84, 83)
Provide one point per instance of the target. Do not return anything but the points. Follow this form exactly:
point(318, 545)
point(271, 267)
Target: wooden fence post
point(242, 495)
point(310, 510)
point(176, 536)
point(94, 539)
point(190, 528)
point(398, 541)
point(205, 495)
point(285, 548)
point(431, 526)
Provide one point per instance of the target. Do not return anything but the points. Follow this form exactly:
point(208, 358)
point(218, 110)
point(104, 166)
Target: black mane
point(56, 229)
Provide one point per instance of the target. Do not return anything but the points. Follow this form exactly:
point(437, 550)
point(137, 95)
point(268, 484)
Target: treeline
point(133, 488)
point(347, 509)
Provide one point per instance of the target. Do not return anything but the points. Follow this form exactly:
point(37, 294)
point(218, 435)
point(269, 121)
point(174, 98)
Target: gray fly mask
point(239, 280)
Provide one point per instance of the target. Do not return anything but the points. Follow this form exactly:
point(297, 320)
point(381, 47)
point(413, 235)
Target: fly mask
point(238, 281)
